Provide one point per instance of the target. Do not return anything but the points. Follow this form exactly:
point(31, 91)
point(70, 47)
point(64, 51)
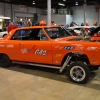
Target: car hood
point(94, 31)
point(72, 38)
point(66, 38)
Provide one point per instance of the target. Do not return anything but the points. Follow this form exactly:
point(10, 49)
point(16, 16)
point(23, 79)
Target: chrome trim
point(40, 65)
point(48, 66)
point(18, 62)
point(76, 72)
point(65, 63)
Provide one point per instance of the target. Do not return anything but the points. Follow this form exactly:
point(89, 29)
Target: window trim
point(30, 29)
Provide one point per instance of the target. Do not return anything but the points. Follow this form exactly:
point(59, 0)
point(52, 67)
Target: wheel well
point(4, 54)
point(4, 35)
point(76, 57)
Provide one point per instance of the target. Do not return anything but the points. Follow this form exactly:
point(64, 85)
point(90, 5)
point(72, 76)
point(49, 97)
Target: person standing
point(86, 29)
point(10, 27)
point(20, 25)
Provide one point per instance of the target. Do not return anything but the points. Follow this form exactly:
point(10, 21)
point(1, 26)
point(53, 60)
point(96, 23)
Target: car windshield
point(57, 32)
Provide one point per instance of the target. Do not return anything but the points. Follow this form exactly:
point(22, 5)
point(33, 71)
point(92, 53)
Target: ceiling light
point(76, 4)
point(61, 4)
point(64, 0)
point(33, 3)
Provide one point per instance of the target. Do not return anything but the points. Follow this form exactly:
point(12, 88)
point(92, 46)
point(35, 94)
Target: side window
point(42, 36)
point(29, 34)
point(19, 35)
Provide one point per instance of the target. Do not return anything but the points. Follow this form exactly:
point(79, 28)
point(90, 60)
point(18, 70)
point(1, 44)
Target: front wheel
point(5, 60)
point(78, 72)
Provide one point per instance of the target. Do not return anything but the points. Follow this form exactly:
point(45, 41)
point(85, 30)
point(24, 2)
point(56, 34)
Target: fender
point(68, 59)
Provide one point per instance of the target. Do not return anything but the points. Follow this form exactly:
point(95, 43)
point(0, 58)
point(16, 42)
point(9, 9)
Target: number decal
point(68, 47)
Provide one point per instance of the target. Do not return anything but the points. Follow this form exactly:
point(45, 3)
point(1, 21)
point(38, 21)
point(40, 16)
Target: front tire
point(78, 72)
point(5, 60)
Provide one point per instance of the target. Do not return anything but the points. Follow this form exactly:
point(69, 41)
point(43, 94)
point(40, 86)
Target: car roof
point(37, 27)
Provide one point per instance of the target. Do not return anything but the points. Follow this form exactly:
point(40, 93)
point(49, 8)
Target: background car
point(2, 34)
point(80, 30)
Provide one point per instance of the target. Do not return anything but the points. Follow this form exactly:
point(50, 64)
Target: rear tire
point(4, 35)
point(5, 60)
point(78, 72)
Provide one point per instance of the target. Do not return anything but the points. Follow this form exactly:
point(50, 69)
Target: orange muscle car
point(95, 34)
point(51, 47)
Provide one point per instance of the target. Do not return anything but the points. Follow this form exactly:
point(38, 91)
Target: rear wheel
point(4, 35)
point(78, 72)
point(5, 61)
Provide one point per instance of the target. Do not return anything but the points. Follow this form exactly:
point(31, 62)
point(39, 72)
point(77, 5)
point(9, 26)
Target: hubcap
point(77, 73)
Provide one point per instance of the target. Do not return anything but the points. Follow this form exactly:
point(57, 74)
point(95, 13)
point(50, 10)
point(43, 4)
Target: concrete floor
point(29, 83)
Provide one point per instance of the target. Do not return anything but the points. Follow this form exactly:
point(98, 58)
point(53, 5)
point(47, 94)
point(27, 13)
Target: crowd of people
point(12, 25)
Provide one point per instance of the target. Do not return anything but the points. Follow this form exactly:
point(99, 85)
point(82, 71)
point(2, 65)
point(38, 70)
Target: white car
point(2, 34)
point(78, 29)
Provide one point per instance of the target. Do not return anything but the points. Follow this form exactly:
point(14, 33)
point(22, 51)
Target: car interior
point(30, 34)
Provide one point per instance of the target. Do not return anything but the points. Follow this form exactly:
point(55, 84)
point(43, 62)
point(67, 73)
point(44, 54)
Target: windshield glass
point(57, 32)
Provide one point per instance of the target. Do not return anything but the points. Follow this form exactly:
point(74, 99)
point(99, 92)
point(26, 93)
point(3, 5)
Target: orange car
point(50, 47)
point(95, 34)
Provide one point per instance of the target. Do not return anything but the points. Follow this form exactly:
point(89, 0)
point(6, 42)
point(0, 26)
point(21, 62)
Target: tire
point(5, 61)
point(78, 72)
point(4, 35)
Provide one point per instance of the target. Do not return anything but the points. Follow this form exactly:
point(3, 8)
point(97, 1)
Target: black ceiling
point(43, 3)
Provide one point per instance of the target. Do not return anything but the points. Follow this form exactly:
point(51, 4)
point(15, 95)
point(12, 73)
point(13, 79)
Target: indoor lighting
point(33, 3)
point(61, 4)
point(76, 3)
point(64, 0)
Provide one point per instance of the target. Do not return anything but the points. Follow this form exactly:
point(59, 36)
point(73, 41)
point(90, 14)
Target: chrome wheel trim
point(77, 73)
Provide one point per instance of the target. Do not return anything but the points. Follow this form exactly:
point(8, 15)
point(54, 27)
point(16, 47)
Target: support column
point(48, 12)
point(84, 12)
point(4, 9)
point(97, 13)
point(12, 14)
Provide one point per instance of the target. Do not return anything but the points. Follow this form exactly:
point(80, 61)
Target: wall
point(58, 19)
point(78, 14)
point(5, 10)
point(69, 19)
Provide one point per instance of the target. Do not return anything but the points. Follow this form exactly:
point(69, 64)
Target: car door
point(37, 48)
point(14, 46)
